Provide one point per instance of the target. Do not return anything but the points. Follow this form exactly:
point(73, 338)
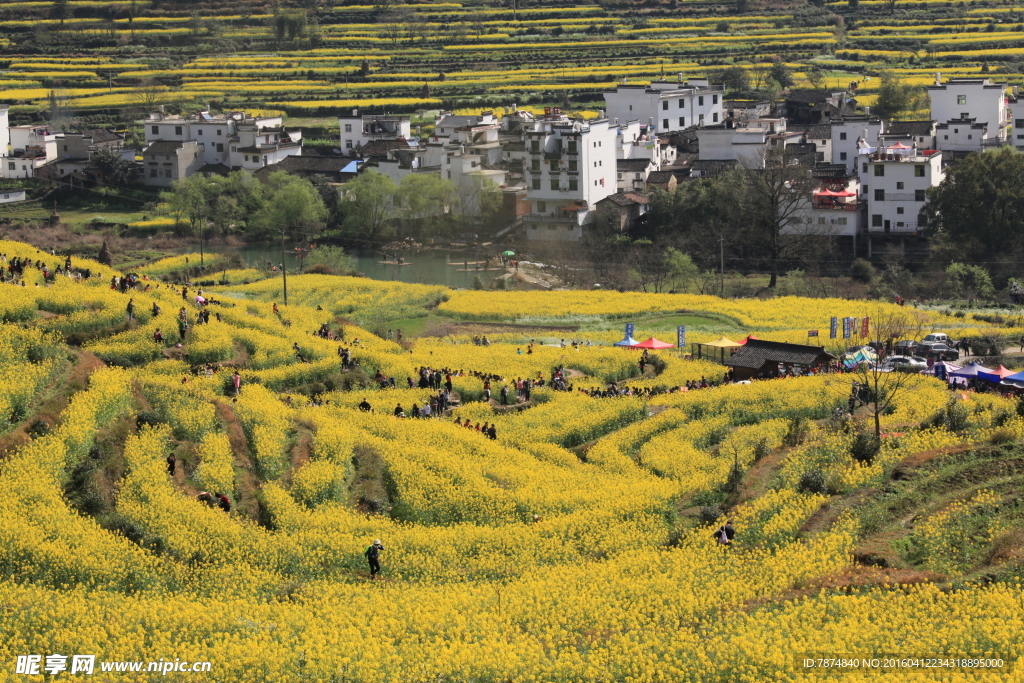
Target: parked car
point(939, 352)
point(910, 362)
point(904, 347)
point(938, 338)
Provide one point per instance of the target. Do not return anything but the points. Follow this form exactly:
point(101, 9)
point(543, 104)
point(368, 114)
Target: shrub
point(813, 481)
point(956, 416)
point(796, 434)
point(865, 447)
point(709, 514)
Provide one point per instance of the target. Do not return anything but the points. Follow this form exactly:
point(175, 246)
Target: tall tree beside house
point(187, 199)
point(896, 97)
point(427, 201)
point(978, 212)
point(292, 204)
point(114, 168)
point(777, 195)
point(369, 205)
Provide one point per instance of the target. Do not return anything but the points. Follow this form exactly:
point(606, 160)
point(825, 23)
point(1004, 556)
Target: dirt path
point(246, 481)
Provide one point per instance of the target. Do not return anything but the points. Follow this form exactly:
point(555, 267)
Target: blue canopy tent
point(858, 358)
point(1016, 381)
point(971, 370)
point(628, 341)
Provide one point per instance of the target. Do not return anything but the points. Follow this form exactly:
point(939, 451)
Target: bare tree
point(61, 105)
point(778, 190)
point(395, 22)
point(890, 324)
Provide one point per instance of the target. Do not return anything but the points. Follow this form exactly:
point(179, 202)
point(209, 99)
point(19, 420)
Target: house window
point(841, 221)
point(865, 190)
point(535, 165)
point(682, 122)
point(554, 166)
point(220, 146)
point(876, 220)
point(542, 207)
point(899, 224)
point(956, 131)
point(821, 220)
point(554, 185)
point(167, 173)
point(864, 168)
point(714, 117)
point(348, 127)
point(571, 147)
point(156, 130)
point(879, 170)
point(970, 137)
point(714, 99)
point(918, 195)
point(348, 144)
point(899, 186)
point(879, 195)
point(842, 156)
point(664, 124)
point(177, 130)
point(842, 136)
point(247, 157)
point(945, 137)
point(682, 103)
point(233, 148)
point(701, 121)
point(534, 146)
point(919, 171)
point(961, 99)
point(573, 166)
point(965, 114)
point(200, 131)
point(535, 184)
point(153, 172)
point(574, 186)
point(1018, 123)
point(220, 132)
point(899, 210)
point(700, 101)
point(65, 148)
point(664, 105)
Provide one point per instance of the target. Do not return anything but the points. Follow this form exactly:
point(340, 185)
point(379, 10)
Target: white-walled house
point(1016, 106)
point(668, 106)
point(895, 181)
point(971, 98)
point(165, 161)
point(961, 135)
point(746, 142)
point(32, 147)
point(845, 133)
point(359, 130)
point(570, 166)
point(235, 140)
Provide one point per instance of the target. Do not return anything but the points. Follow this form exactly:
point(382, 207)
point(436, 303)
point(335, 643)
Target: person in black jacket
point(373, 557)
point(725, 534)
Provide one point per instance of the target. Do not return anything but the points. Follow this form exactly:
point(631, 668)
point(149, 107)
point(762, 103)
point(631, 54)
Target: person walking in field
point(158, 336)
point(373, 557)
point(236, 382)
point(131, 309)
point(725, 534)
point(171, 463)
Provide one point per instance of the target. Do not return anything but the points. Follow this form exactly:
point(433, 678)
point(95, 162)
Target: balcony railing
point(839, 206)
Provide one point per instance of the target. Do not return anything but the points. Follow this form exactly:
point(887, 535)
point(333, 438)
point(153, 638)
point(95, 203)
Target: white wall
point(900, 185)
point(969, 98)
point(844, 140)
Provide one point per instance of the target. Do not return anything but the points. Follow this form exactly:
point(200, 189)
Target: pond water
point(427, 266)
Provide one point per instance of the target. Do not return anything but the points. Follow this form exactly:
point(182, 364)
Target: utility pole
point(284, 269)
point(721, 244)
point(202, 222)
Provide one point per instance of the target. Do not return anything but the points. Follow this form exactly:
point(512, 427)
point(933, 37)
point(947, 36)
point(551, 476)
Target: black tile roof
point(637, 165)
point(756, 352)
point(903, 128)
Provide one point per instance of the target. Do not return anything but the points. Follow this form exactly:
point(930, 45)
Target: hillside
point(109, 62)
point(573, 545)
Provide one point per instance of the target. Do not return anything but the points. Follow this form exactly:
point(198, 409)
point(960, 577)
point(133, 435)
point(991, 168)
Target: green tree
point(61, 10)
point(815, 76)
point(734, 78)
point(896, 97)
point(369, 205)
point(781, 74)
point(681, 268)
point(187, 199)
point(115, 169)
point(966, 281)
point(978, 211)
point(292, 205)
point(331, 261)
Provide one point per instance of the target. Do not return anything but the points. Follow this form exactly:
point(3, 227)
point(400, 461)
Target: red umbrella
point(651, 343)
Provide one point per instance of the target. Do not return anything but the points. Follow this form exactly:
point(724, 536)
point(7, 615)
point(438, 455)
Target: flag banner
point(834, 328)
point(812, 333)
point(681, 336)
point(864, 327)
